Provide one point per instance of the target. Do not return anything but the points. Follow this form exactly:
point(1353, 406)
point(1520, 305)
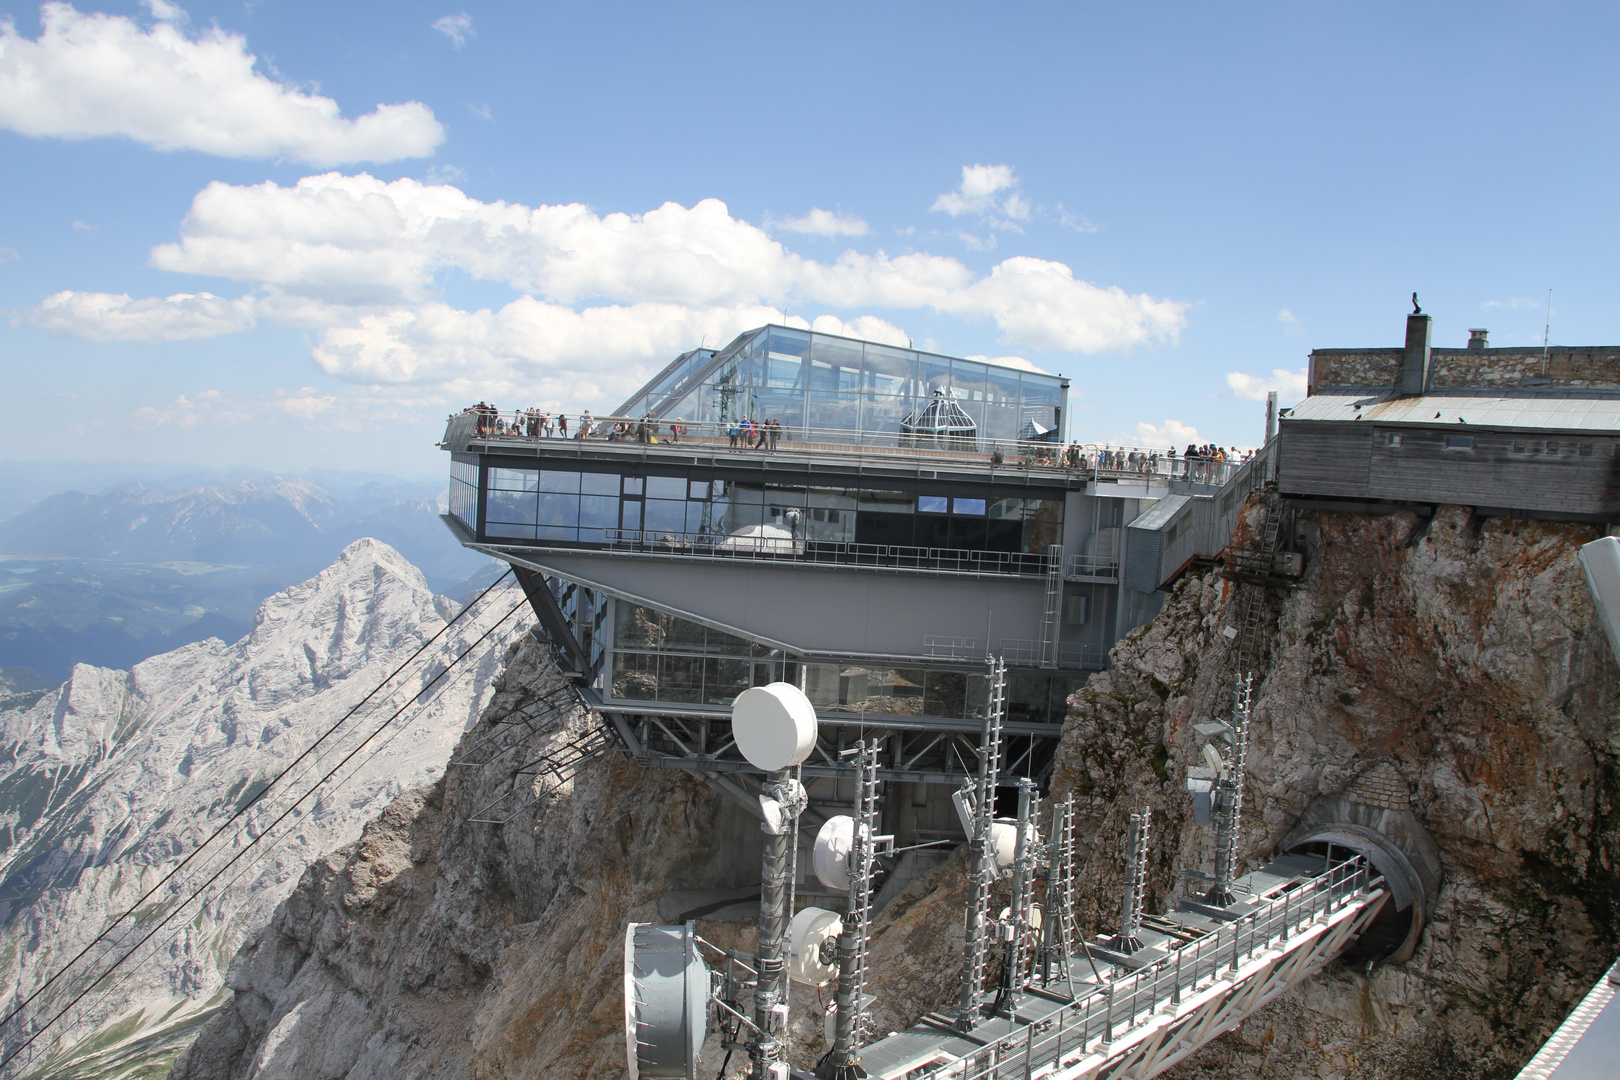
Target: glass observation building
point(875, 555)
point(833, 388)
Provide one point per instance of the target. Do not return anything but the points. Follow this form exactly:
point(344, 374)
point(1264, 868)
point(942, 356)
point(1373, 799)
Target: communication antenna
point(1228, 788)
point(1057, 930)
point(1546, 334)
point(978, 797)
point(1016, 925)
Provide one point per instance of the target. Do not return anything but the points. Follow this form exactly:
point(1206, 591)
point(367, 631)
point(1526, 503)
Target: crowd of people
point(1199, 462)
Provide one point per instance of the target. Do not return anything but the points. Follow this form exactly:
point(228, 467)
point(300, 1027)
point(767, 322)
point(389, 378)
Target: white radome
point(834, 840)
point(775, 726)
point(806, 932)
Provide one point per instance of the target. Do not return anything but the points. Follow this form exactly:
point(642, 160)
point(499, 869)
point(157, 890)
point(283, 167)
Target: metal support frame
point(1058, 930)
point(544, 602)
point(1016, 939)
point(766, 1045)
point(1050, 623)
point(1229, 797)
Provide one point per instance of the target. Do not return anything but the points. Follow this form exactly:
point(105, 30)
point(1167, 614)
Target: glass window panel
point(664, 516)
point(557, 532)
point(723, 680)
point(666, 487)
point(888, 502)
point(514, 479)
point(559, 510)
point(630, 516)
point(563, 482)
point(636, 627)
point(931, 504)
point(598, 512)
point(682, 635)
point(1006, 509)
point(726, 644)
point(511, 507)
point(1027, 698)
point(887, 370)
point(635, 676)
point(699, 489)
point(833, 411)
point(784, 371)
point(465, 471)
point(968, 506)
point(501, 528)
point(789, 341)
point(632, 485)
point(884, 413)
point(945, 693)
point(1043, 524)
point(786, 407)
point(933, 373)
point(700, 518)
point(593, 483)
point(967, 379)
point(821, 685)
point(680, 678)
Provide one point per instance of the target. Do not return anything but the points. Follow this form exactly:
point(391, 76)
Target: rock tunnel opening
point(1394, 931)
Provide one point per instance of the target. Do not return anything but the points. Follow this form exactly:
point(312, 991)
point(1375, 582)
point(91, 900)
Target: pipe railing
point(1114, 1004)
point(788, 548)
point(1089, 459)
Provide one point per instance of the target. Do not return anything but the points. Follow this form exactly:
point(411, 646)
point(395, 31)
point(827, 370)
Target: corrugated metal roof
point(1163, 510)
point(1482, 410)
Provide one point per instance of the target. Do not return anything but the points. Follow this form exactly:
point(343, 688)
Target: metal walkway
point(1200, 971)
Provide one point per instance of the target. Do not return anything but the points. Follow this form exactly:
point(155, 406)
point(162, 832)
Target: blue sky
point(1169, 203)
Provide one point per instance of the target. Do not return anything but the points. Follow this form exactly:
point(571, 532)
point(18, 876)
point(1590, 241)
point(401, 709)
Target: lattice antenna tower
point(1229, 791)
point(1058, 932)
point(981, 791)
point(843, 1062)
point(1136, 852)
point(1017, 940)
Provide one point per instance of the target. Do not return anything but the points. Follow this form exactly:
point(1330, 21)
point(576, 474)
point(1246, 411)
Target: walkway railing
point(1116, 1004)
point(786, 548)
point(1097, 462)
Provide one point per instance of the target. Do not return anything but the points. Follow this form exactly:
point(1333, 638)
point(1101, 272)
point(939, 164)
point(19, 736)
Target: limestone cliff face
point(1456, 661)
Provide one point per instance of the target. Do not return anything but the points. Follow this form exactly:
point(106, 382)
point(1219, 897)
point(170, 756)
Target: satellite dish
point(1004, 843)
point(833, 843)
point(807, 932)
point(666, 1002)
point(775, 726)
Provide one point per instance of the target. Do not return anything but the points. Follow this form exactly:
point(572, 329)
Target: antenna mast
point(984, 870)
point(1016, 938)
point(1057, 933)
point(844, 1060)
point(1229, 796)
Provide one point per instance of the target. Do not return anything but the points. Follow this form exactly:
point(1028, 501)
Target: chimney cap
point(1477, 339)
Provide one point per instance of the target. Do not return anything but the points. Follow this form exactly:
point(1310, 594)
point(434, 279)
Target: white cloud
point(990, 192)
point(90, 75)
point(1010, 362)
point(1290, 385)
point(865, 327)
point(357, 240)
point(116, 317)
point(1290, 321)
point(819, 222)
point(481, 111)
point(1171, 433)
point(458, 28)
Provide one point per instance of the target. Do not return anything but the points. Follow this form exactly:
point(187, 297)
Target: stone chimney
point(1415, 364)
point(1476, 340)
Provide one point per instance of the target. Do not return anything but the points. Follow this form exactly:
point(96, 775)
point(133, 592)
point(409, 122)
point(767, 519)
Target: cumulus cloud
point(1171, 433)
point(116, 317)
point(990, 192)
point(819, 222)
point(90, 75)
point(1289, 385)
point(458, 28)
point(1010, 362)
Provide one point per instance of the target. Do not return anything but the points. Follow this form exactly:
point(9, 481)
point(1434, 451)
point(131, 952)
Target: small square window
point(1395, 439)
point(699, 490)
point(931, 504)
point(968, 506)
point(1552, 448)
point(632, 485)
point(1459, 442)
point(1586, 449)
point(1518, 448)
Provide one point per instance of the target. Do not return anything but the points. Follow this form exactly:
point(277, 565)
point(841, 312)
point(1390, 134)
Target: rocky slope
point(107, 782)
point(1457, 656)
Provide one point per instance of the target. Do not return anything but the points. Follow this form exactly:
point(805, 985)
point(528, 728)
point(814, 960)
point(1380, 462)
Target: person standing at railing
point(676, 430)
point(733, 433)
point(585, 422)
point(773, 429)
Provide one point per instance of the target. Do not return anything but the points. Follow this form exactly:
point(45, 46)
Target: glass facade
point(464, 491)
point(811, 382)
point(570, 506)
point(659, 657)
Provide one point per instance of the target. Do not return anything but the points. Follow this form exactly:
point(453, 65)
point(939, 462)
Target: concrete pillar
point(1415, 364)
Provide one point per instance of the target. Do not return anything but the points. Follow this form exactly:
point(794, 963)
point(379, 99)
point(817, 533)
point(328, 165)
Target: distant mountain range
point(111, 778)
point(112, 578)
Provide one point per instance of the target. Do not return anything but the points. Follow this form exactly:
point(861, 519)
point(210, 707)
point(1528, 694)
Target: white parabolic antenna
point(833, 843)
point(666, 1002)
point(775, 726)
point(806, 933)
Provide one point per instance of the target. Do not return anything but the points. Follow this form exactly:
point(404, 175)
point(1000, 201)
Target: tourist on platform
point(773, 428)
point(562, 425)
point(585, 422)
point(734, 432)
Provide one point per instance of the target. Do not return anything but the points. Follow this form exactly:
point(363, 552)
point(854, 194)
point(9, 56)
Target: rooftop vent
point(1476, 340)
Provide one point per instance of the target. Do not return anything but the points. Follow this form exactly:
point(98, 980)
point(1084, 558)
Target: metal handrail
point(831, 552)
point(1097, 461)
point(1118, 999)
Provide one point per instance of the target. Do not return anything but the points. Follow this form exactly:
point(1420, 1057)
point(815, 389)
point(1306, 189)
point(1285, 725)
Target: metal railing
point(1098, 462)
point(1115, 1004)
point(1092, 566)
point(1026, 652)
point(786, 548)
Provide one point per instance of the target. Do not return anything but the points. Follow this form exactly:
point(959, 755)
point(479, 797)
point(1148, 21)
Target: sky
point(290, 236)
